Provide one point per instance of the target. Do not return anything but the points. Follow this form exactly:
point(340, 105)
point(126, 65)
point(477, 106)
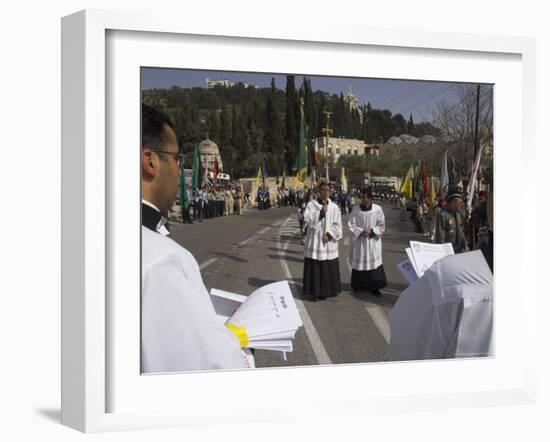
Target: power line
point(416, 104)
point(447, 111)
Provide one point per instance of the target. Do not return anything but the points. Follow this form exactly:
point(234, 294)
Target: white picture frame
point(88, 206)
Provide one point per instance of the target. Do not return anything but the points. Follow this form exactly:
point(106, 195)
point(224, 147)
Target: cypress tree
point(410, 125)
point(291, 128)
point(274, 137)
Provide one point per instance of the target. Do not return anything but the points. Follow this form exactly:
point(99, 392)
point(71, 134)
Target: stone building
point(345, 146)
point(210, 84)
point(208, 153)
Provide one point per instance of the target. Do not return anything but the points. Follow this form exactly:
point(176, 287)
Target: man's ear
point(149, 163)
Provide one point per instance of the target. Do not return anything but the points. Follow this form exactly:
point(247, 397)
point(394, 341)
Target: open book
point(421, 256)
point(269, 315)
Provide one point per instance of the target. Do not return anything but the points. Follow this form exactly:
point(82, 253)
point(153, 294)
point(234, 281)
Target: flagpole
point(327, 130)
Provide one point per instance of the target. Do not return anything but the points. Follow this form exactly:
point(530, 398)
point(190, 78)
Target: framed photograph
point(107, 59)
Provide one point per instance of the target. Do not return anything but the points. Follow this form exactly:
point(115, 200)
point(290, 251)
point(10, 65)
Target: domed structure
point(209, 152)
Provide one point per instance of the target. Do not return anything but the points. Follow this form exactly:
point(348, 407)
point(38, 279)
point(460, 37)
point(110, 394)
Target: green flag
point(301, 167)
point(196, 168)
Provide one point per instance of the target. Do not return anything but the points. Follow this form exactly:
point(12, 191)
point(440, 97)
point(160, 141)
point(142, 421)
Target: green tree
point(213, 122)
point(291, 127)
point(274, 136)
point(227, 150)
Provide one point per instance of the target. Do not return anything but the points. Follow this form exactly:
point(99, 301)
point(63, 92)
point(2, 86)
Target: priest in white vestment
point(447, 313)
point(179, 328)
point(367, 224)
point(324, 229)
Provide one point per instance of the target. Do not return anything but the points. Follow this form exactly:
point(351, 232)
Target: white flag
point(444, 181)
point(472, 184)
point(344, 181)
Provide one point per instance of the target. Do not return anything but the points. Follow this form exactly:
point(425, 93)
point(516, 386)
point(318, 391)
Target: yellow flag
point(407, 186)
point(259, 177)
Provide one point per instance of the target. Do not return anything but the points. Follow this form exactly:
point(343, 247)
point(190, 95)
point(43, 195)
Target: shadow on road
point(287, 258)
point(386, 300)
point(297, 252)
point(229, 256)
point(289, 238)
point(258, 282)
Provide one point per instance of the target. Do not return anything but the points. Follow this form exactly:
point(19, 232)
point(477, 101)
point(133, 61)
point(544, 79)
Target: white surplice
point(366, 252)
point(180, 330)
point(316, 228)
point(446, 313)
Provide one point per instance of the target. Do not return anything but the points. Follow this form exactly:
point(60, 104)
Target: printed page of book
point(269, 309)
point(411, 259)
point(425, 254)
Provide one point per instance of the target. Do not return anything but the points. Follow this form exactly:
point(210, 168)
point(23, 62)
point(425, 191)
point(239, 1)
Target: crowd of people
point(214, 201)
point(449, 220)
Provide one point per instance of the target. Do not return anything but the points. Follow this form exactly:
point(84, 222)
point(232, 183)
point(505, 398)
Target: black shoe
point(318, 298)
point(377, 293)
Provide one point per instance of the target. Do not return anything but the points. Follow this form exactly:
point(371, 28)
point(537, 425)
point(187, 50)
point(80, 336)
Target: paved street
point(242, 253)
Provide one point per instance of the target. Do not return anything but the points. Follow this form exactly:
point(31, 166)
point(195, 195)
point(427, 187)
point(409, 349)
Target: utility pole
point(476, 133)
point(327, 131)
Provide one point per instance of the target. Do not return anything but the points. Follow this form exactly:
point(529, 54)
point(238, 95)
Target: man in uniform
point(179, 327)
point(450, 226)
point(239, 200)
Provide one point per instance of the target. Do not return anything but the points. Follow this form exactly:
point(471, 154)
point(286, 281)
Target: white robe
point(446, 313)
point(331, 224)
point(180, 330)
point(366, 252)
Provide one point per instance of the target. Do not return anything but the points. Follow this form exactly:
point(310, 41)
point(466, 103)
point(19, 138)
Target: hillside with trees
point(255, 125)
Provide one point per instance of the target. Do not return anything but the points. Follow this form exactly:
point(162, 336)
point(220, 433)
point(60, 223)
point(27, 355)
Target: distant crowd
point(225, 199)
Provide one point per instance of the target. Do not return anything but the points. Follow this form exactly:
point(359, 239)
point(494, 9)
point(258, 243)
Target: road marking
point(245, 242)
point(311, 332)
point(207, 263)
point(250, 238)
point(346, 241)
point(380, 319)
point(377, 313)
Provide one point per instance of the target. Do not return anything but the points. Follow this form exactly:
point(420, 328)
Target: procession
point(319, 258)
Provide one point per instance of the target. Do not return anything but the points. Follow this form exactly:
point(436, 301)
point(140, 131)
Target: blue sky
point(418, 98)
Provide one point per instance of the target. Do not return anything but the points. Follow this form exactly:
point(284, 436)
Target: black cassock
point(370, 280)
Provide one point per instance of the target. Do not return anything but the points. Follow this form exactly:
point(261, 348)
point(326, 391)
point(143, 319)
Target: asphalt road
point(242, 253)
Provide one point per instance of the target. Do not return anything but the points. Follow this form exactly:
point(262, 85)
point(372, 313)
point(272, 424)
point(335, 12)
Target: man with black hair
point(179, 328)
point(367, 224)
point(324, 229)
